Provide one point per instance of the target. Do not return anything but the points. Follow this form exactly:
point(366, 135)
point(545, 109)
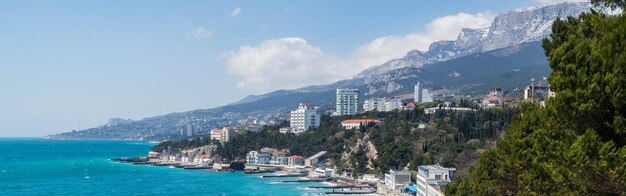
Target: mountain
point(472, 75)
point(507, 54)
point(508, 29)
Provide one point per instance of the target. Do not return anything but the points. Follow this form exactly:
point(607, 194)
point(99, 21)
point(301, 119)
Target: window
point(437, 177)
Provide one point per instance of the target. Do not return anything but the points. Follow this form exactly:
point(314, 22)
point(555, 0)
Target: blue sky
point(68, 62)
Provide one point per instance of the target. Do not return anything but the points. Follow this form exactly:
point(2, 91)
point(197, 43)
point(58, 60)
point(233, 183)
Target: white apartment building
point(279, 158)
point(254, 157)
point(432, 178)
point(303, 118)
point(347, 101)
point(382, 104)
point(222, 135)
point(374, 104)
point(393, 103)
point(417, 91)
point(397, 180)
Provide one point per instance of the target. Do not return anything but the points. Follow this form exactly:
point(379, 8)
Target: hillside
point(450, 138)
point(508, 68)
point(506, 55)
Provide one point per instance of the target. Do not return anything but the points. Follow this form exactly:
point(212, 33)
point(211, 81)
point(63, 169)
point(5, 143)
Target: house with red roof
point(295, 160)
point(410, 106)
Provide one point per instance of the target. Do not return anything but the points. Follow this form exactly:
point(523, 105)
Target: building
point(494, 98)
point(431, 179)
point(315, 159)
point(279, 158)
point(374, 104)
point(397, 180)
point(540, 90)
point(228, 134)
point(285, 129)
point(347, 101)
point(410, 106)
point(356, 123)
point(394, 103)
point(370, 178)
point(186, 158)
point(190, 130)
point(216, 134)
point(382, 104)
point(202, 159)
point(254, 157)
point(322, 173)
point(417, 93)
point(295, 160)
point(222, 135)
point(303, 118)
point(455, 109)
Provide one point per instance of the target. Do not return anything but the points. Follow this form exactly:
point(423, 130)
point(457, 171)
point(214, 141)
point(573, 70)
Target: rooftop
point(434, 167)
point(279, 152)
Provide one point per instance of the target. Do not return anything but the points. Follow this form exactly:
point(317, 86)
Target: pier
point(197, 167)
point(131, 160)
point(257, 171)
point(286, 175)
point(368, 189)
point(310, 180)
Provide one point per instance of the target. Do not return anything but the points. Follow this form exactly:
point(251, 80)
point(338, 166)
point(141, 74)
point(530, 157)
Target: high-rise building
point(189, 130)
point(347, 101)
point(303, 118)
point(418, 93)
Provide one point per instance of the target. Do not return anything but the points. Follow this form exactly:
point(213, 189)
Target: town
point(277, 163)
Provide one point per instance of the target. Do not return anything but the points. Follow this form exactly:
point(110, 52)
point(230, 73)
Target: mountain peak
point(517, 26)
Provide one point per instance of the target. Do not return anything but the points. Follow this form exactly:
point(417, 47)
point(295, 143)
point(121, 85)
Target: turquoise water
point(56, 167)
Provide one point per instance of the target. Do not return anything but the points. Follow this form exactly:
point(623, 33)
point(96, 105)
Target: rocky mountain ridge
point(508, 29)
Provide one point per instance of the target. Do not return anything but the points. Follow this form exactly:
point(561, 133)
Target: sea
point(33, 166)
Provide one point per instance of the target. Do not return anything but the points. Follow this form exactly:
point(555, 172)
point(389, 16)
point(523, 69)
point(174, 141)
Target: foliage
point(450, 139)
point(576, 145)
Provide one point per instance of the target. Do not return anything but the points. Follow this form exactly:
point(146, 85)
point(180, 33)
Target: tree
point(610, 3)
point(574, 146)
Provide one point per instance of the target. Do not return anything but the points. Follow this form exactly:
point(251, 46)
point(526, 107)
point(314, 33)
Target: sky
point(65, 64)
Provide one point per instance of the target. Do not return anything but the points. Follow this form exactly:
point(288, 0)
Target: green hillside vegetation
point(575, 145)
point(450, 139)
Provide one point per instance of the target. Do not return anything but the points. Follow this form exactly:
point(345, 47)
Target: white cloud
point(385, 48)
point(283, 63)
point(553, 2)
point(235, 12)
point(201, 33)
point(289, 63)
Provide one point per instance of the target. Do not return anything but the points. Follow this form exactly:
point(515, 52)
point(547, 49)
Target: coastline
point(289, 175)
